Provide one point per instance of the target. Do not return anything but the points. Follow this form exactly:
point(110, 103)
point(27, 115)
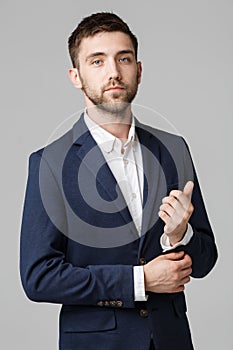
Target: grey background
point(187, 54)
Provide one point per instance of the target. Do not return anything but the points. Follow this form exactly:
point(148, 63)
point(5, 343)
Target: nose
point(113, 70)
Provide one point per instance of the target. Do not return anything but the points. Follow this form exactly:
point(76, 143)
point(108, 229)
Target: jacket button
point(119, 303)
point(112, 303)
point(100, 303)
point(143, 313)
point(142, 261)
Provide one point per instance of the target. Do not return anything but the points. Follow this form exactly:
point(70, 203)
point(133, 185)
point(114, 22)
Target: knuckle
point(173, 201)
point(189, 211)
point(191, 208)
point(174, 268)
point(179, 195)
point(180, 288)
point(175, 277)
point(165, 206)
point(175, 193)
point(162, 214)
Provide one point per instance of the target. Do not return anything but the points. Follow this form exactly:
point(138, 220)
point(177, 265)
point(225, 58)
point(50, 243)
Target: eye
point(124, 59)
point(96, 62)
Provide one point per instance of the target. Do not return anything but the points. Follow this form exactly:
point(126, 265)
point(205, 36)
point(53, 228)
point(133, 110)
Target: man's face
point(108, 72)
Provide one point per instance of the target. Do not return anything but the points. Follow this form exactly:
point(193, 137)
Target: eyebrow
point(96, 54)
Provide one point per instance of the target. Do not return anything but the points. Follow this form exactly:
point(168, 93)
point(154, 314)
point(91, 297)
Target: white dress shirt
point(125, 162)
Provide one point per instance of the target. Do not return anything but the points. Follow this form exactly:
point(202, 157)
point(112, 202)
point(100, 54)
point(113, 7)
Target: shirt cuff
point(165, 243)
point(139, 284)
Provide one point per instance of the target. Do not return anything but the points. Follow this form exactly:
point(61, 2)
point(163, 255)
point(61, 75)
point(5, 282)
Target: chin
point(114, 107)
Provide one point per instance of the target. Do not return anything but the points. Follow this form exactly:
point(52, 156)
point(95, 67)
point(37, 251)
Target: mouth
point(115, 88)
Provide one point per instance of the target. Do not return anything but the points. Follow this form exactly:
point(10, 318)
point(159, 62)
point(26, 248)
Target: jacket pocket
point(86, 319)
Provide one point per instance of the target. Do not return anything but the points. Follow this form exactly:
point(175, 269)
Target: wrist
point(176, 238)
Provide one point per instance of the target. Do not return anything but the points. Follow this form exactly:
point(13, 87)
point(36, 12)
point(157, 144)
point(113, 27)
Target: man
point(114, 223)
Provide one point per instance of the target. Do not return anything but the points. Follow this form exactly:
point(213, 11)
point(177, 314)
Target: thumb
point(188, 189)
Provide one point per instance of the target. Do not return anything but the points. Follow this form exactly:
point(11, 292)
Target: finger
point(176, 197)
point(185, 280)
point(170, 222)
point(173, 218)
point(171, 200)
point(164, 216)
point(180, 198)
point(169, 225)
point(167, 208)
point(174, 256)
point(180, 289)
point(186, 272)
point(175, 193)
point(185, 263)
point(172, 207)
point(185, 196)
point(188, 189)
point(176, 210)
point(188, 260)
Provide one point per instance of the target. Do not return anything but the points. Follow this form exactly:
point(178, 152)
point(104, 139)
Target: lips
point(114, 88)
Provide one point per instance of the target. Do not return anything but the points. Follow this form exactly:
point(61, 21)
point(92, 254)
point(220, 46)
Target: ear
point(74, 78)
point(139, 64)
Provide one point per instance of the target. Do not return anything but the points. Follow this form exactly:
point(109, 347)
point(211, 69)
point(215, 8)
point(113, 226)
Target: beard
point(114, 102)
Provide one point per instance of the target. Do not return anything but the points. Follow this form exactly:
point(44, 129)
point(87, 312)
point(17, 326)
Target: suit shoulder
point(54, 148)
point(165, 137)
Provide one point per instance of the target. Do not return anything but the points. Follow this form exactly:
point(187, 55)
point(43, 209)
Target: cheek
point(89, 82)
point(133, 76)
point(95, 79)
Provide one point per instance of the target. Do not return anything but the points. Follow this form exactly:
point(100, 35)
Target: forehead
point(108, 43)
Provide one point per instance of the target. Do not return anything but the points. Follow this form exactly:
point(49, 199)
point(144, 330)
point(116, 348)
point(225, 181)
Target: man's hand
point(175, 211)
point(168, 273)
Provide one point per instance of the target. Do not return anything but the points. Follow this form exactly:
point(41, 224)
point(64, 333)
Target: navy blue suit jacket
point(79, 243)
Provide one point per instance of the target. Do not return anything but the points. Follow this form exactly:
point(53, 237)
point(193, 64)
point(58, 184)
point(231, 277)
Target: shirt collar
point(104, 138)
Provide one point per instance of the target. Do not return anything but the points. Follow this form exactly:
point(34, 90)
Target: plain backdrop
point(187, 52)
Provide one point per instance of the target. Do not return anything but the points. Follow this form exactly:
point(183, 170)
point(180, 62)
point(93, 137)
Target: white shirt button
point(134, 195)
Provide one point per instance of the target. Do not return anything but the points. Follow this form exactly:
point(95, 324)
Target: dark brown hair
point(96, 23)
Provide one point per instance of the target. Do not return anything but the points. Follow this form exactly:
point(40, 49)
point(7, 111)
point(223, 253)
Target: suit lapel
point(160, 164)
point(93, 160)
point(154, 179)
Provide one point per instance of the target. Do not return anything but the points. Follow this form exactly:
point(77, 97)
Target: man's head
point(97, 23)
point(103, 51)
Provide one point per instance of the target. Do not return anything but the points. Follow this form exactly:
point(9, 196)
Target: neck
point(118, 124)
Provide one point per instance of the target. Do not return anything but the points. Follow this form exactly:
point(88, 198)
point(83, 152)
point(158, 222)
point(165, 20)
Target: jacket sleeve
point(46, 275)
point(202, 247)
